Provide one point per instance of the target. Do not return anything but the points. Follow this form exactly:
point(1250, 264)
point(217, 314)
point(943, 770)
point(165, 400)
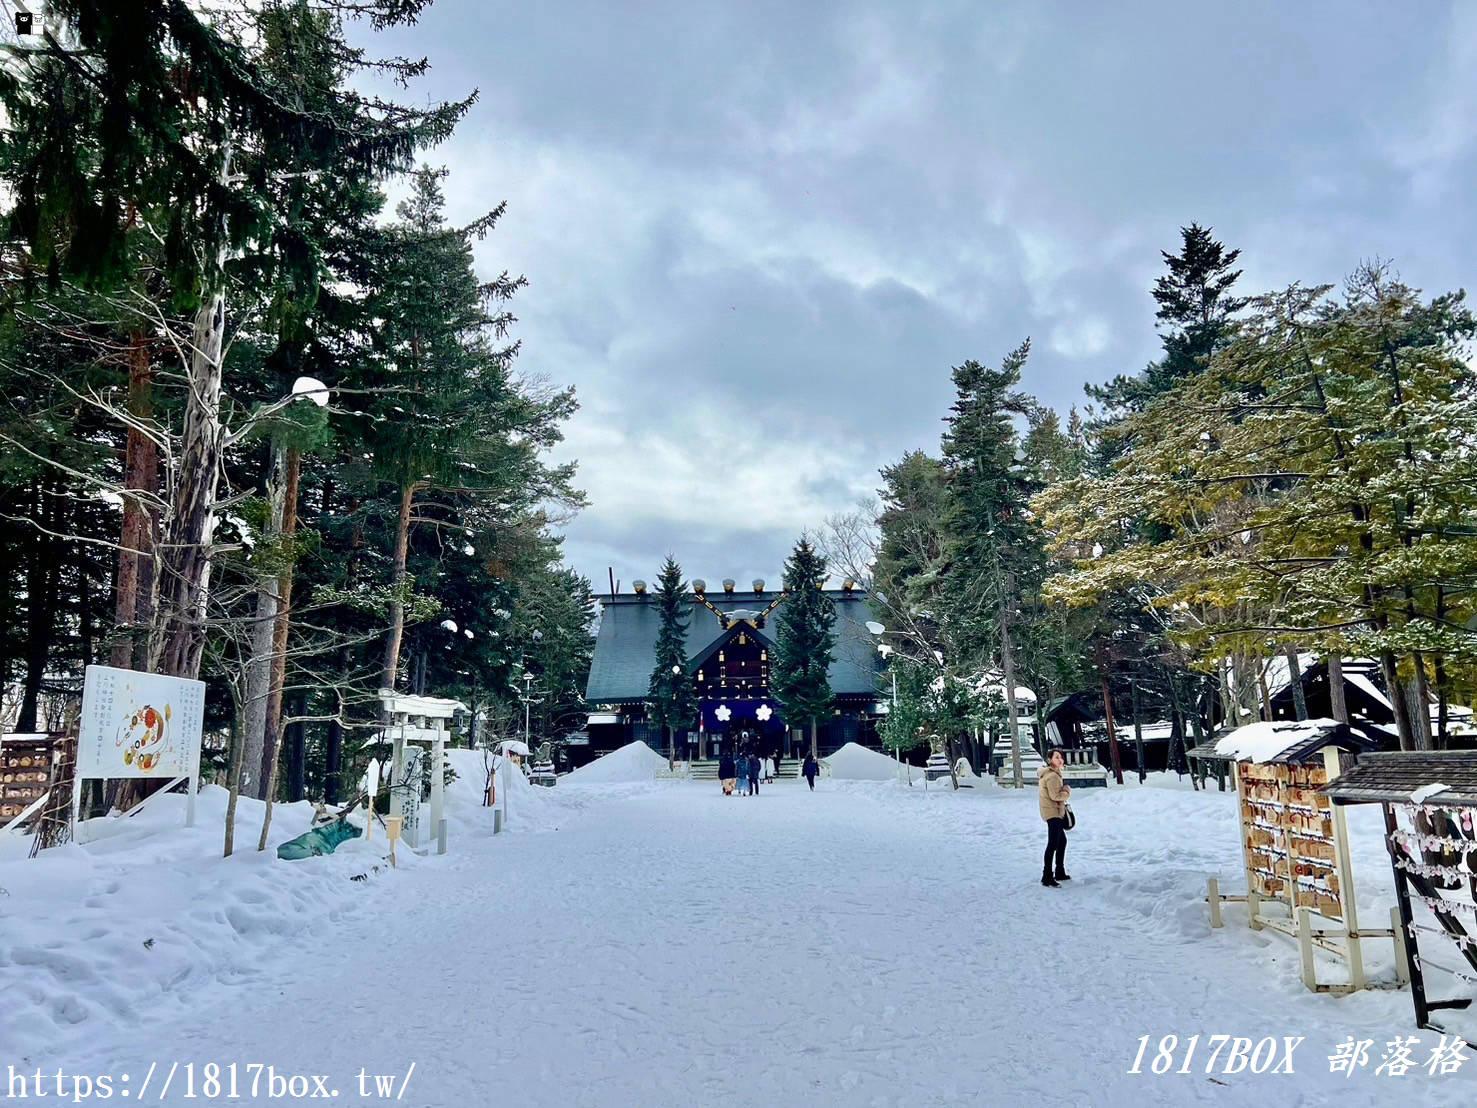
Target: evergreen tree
point(799, 674)
point(1195, 311)
point(994, 555)
point(447, 423)
point(671, 699)
point(151, 120)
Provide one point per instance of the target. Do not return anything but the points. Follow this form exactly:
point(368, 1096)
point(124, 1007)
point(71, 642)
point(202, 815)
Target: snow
point(633, 762)
point(856, 763)
point(653, 942)
point(1263, 741)
point(449, 625)
point(1425, 792)
point(314, 389)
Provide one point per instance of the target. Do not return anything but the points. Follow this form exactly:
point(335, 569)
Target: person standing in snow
point(768, 770)
point(754, 771)
point(810, 769)
point(1053, 795)
point(726, 773)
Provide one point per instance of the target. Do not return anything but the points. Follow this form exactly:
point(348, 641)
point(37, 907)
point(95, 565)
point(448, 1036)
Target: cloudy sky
point(758, 235)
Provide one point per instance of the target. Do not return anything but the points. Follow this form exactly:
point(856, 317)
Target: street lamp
point(886, 652)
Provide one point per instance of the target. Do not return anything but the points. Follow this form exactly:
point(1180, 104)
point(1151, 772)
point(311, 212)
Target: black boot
point(1060, 876)
point(1049, 881)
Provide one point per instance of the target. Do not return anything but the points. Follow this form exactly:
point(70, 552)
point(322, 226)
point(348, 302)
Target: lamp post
point(671, 725)
point(886, 651)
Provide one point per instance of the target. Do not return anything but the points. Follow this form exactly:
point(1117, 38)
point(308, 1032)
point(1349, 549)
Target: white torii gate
point(417, 719)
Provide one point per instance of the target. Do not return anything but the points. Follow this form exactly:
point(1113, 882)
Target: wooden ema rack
point(1295, 851)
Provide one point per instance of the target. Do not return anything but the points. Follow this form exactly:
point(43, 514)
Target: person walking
point(726, 773)
point(810, 769)
point(1053, 795)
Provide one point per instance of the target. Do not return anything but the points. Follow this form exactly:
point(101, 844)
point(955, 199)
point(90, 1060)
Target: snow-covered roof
point(432, 707)
point(1281, 741)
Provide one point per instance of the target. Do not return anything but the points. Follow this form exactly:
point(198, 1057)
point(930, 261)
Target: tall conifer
point(804, 636)
point(671, 701)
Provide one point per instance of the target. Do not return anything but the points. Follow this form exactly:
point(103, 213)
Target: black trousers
point(1056, 847)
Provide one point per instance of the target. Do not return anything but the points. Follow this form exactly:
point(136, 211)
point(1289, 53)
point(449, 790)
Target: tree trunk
point(397, 608)
point(140, 476)
point(1338, 701)
point(332, 753)
point(1113, 755)
point(813, 753)
point(41, 587)
point(1261, 688)
point(1138, 730)
point(1295, 676)
point(184, 561)
point(1418, 694)
point(1177, 745)
point(1393, 688)
point(1007, 665)
point(1198, 730)
point(272, 734)
point(297, 754)
point(263, 632)
point(233, 782)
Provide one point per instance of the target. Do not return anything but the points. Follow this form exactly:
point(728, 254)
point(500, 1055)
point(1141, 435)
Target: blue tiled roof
point(625, 649)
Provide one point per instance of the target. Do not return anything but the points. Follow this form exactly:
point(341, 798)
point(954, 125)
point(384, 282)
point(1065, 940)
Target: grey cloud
point(784, 223)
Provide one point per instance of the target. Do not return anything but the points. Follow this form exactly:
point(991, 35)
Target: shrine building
point(730, 644)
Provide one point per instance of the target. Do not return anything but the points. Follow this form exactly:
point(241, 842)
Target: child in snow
point(727, 774)
point(810, 769)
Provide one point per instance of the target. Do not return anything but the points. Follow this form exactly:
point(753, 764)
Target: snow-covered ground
point(653, 942)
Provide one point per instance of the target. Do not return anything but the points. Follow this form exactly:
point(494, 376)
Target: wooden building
point(730, 643)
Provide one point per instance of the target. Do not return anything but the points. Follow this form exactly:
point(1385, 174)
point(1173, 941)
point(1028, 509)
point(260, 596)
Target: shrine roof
point(625, 648)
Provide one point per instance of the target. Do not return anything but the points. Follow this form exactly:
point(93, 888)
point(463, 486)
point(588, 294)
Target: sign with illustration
point(139, 724)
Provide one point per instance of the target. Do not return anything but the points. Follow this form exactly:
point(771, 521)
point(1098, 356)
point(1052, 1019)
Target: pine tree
point(1196, 309)
point(150, 120)
point(447, 423)
point(671, 700)
point(799, 675)
point(995, 550)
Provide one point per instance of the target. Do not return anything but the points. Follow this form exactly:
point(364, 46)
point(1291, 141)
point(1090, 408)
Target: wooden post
point(392, 828)
point(438, 777)
point(1407, 945)
point(1305, 948)
point(1254, 910)
point(1402, 959)
point(1345, 868)
point(1252, 905)
point(1213, 896)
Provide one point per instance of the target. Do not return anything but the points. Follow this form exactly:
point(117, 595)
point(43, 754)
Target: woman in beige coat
point(1053, 795)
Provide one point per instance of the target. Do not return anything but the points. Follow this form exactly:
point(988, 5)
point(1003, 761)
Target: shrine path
point(866, 944)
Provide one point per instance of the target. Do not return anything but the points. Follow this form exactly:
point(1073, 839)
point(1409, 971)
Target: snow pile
point(127, 927)
point(633, 762)
point(1261, 742)
point(856, 763)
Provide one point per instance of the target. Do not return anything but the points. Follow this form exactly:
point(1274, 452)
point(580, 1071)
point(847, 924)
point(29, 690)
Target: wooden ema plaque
point(25, 773)
point(1289, 835)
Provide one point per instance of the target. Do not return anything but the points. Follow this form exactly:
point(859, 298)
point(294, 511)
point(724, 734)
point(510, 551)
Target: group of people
point(742, 773)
